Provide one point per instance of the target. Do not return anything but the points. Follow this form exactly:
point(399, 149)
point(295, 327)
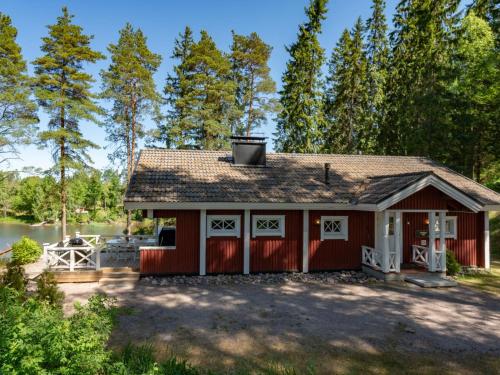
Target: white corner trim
point(487, 260)
point(305, 241)
point(343, 235)
point(268, 232)
point(235, 232)
point(203, 242)
point(438, 184)
point(246, 242)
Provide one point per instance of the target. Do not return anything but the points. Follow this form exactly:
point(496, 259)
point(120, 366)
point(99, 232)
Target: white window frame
point(453, 220)
point(264, 232)
point(343, 235)
point(236, 232)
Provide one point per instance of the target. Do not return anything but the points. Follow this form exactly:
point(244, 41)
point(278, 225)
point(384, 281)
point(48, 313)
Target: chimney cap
point(243, 138)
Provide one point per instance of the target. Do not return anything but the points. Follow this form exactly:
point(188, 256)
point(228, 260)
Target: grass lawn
point(488, 282)
point(21, 219)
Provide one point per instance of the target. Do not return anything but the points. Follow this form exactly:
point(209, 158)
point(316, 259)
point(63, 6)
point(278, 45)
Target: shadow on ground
point(332, 328)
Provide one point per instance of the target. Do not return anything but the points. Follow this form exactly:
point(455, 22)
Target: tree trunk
point(132, 157)
point(62, 161)
point(250, 107)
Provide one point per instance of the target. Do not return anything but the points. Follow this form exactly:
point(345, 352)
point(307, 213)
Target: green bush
point(38, 339)
point(47, 289)
point(26, 251)
point(15, 277)
point(452, 265)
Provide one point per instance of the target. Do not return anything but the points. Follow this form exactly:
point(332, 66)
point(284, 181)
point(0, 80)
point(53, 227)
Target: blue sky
point(276, 21)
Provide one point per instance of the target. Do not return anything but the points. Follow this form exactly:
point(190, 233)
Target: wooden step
point(107, 270)
point(80, 276)
point(121, 275)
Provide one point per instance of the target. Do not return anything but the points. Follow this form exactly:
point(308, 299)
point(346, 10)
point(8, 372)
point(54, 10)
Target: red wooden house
point(247, 211)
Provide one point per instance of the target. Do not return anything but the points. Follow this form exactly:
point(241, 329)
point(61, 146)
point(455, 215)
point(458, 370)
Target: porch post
point(246, 242)
point(203, 242)
point(385, 249)
point(397, 239)
point(432, 241)
point(487, 240)
point(442, 241)
point(305, 241)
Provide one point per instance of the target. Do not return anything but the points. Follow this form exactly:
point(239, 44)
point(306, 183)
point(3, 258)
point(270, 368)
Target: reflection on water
point(10, 233)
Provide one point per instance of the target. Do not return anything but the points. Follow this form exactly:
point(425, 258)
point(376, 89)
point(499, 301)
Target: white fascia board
point(438, 184)
point(246, 206)
point(491, 207)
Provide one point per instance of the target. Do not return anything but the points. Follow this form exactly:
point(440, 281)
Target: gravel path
point(232, 317)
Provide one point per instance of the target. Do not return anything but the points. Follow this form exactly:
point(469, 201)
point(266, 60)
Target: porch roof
point(190, 176)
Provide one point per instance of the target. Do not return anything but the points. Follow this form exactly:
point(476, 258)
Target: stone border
point(346, 277)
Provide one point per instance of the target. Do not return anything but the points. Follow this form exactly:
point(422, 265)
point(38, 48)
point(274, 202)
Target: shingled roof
point(169, 176)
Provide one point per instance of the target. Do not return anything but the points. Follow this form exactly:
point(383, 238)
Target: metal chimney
point(327, 173)
point(249, 151)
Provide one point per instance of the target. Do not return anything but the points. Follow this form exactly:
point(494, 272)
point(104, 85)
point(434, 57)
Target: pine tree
point(476, 93)
point(175, 128)
point(254, 86)
point(62, 88)
point(418, 105)
point(377, 53)
point(17, 111)
point(129, 83)
point(301, 120)
point(203, 97)
point(346, 106)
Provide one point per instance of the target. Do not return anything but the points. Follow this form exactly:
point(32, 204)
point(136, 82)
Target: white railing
point(62, 255)
point(420, 255)
point(440, 260)
point(376, 259)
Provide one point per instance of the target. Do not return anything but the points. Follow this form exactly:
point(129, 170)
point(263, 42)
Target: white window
point(450, 227)
point(268, 225)
point(334, 227)
point(223, 225)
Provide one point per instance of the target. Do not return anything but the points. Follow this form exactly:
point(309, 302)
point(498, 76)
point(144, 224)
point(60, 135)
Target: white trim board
point(438, 184)
point(247, 206)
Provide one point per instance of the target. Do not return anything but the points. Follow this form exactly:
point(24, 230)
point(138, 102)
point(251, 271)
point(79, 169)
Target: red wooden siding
point(428, 198)
point(225, 254)
point(468, 245)
point(185, 258)
point(340, 254)
point(273, 254)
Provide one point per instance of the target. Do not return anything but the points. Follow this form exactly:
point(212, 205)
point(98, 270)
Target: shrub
point(15, 277)
point(38, 339)
point(26, 251)
point(452, 265)
point(47, 289)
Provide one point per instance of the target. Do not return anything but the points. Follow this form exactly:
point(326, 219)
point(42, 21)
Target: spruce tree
point(254, 86)
point(17, 111)
point(418, 104)
point(347, 109)
point(377, 53)
point(128, 83)
point(62, 88)
point(175, 129)
point(488, 10)
point(203, 97)
point(301, 120)
point(476, 94)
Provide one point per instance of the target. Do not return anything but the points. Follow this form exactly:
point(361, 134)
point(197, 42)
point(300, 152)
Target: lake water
point(10, 233)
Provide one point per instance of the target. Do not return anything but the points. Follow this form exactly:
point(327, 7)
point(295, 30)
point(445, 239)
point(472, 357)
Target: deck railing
point(376, 259)
point(421, 256)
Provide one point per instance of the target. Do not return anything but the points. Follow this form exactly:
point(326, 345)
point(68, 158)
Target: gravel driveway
point(227, 323)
